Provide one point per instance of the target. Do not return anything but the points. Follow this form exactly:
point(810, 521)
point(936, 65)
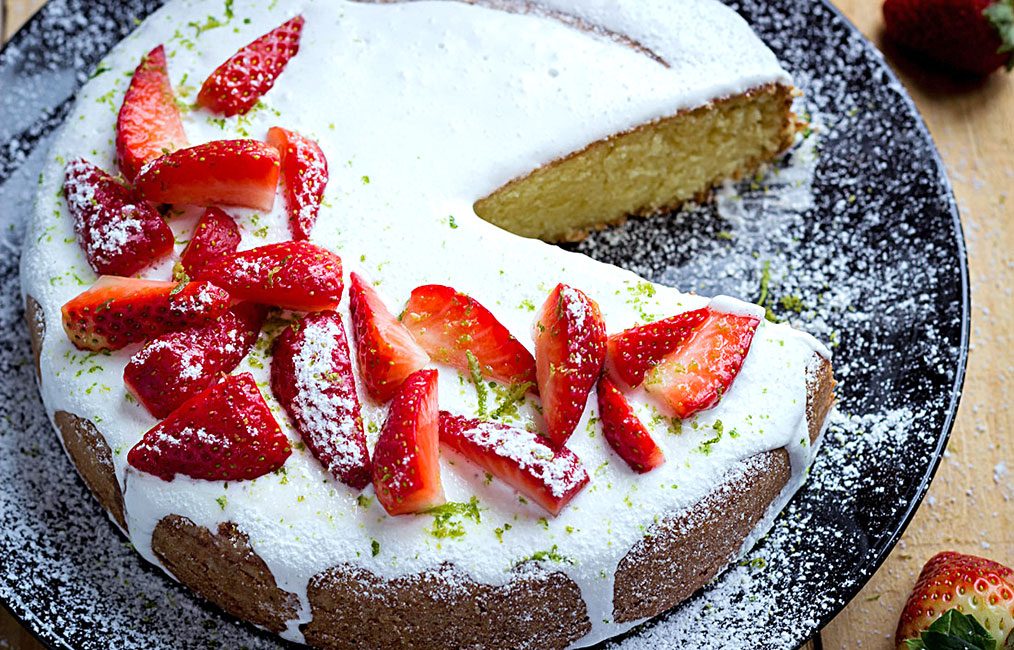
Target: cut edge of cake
point(648, 170)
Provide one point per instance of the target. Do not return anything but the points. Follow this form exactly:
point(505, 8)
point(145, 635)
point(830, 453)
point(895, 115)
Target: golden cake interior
point(649, 169)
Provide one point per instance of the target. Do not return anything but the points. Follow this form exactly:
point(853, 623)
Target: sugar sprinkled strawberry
point(570, 348)
point(311, 375)
point(449, 325)
point(215, 236)
point(222, 172)
point(291, 275)
point(120, 232)
point(385, 351)
point(624, 431)
point(633, 352)
point(236, 85)
point(226, 433)
point(304, 175)
point(970, 36)
point(698, 373)
point(176, 366)
point(406, 466)
point(149, 123)
point(116, 312)
point(974, 586)
point(519, 458)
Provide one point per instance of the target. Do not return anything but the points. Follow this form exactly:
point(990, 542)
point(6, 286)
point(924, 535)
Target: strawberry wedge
point(227, 172)
point(449, 325)
point(215, 236)
point(633, 352)
point(174, 367)
point(226, 433)
point(624, 431)
point(116, 312)
point(386, 353)
point(236, 85)
point(149, 124)
point(311, 375)
point(406, 465)
point(120, 232)
point(519, 458)
point(700, 371)
point(304, 175)
point(292, 275)
point(570, 348)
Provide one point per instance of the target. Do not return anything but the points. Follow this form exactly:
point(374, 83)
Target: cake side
point(650, 169)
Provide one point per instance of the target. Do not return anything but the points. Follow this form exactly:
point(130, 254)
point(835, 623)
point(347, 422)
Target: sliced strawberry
point(385, 351)
point(304, 172)
point(149, 124)
point(624, 431)
point(311, 375)
point(633, 352)
point(215, 236)
point(519, 458)
point(236, 85)
point(975, 586)
point(570, 348)
point(227, 172)
point(406, 464)
point(176, 366)
point(226, 433)
point(698, 373)
point(116, 312)
point(291, 275)
point(120, 232)
point(448, 325)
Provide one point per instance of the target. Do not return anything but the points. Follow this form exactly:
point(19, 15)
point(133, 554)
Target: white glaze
point(422, 109)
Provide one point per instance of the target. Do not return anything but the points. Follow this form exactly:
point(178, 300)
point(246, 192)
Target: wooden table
point(969, 507)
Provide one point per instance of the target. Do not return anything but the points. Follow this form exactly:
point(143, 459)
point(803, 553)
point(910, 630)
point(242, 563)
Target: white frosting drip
point(422, 109)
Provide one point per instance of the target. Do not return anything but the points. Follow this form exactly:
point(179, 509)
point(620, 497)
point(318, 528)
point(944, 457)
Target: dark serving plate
point(861, 246)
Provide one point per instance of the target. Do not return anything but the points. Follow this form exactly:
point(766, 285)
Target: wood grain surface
point(969, 507)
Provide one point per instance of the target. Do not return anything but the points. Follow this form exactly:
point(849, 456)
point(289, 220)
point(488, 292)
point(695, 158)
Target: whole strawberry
point(961, 602)
point(971, 36)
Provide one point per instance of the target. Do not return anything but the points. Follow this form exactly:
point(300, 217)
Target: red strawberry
point(624, 431)
point(116, 311)
point(118, 230)
point(176, 366)
point(385, 351)
point(695, 376)
point(236, 85)
point(971, 36)
point(149, 124)
point(633, 352)
point(215, 236)
point(570, 348)
point(226, 433)
point(519, 458)
point(406, 464)
point(304, 171)
point(448, 325)
point(291, 275)
point(974, 586)
point(227, 172)
point(311, 375)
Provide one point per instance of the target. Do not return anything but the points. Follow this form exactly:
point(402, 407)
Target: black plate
point(876, 264)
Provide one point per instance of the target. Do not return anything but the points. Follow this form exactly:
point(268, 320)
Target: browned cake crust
point(36, 331)
point(224, 569)
point(352, 608)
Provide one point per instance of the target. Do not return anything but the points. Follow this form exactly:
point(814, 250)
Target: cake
point(355, 445)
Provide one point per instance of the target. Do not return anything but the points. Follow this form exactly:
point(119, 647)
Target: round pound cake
point(300, 326)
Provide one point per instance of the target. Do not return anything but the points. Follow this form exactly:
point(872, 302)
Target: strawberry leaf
point(1001, 15)
point(954, 631)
